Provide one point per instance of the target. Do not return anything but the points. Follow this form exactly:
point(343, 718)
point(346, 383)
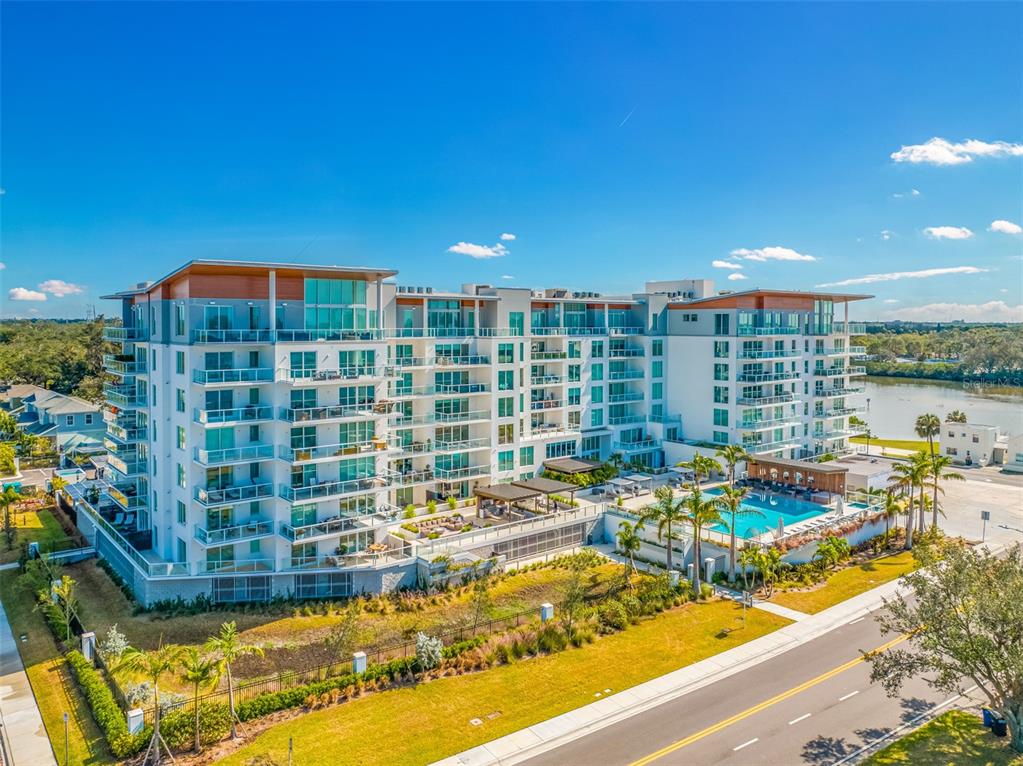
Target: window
point(506, 407)
point(69, 420)
point(721, 394)
point(721, 437)
point(657, 348)
point(525, 456)
point(506, 353)
point(505, 380)
point(179, 319)
point(182, 513)
point(181, 437)
point(657, 369)
point(88, 418)
point(517, 322)
point(596, 418)
point(179, 395)
point(337, 304)
point(506, 433)
point(181, 476)
point(574, 373)
point(574, 420)
point(574, 396)
point(597, 394)
point(657, 391)
point(560, 449)
point(721, 349)
point(179, 362)
point(720, 417)
point(721, 324)
point(575, 349)
point(720, 372)
point(597, 372)
point(597, 349)
point(506, 460)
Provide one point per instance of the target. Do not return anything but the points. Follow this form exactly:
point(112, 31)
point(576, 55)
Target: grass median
point(846, 583)
point(421, 724)
point(913, 445)
point(955, 737)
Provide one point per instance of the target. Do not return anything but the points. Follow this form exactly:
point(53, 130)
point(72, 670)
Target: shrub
point(105, 709)
point(431, 506)
point(428, 651)
point(452, 503)
point(178, 727)
point(706, 591)
point(551, 640)
point(410, 511)
point(611, 617)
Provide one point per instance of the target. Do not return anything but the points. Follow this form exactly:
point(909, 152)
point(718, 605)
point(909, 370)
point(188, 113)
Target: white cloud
point(891, 300)
point(948, 232)
point(910, 194)
point(895, 275)
point(939, 151)
point(773, 253)
point(24, 294)
point(1005, 227)
point(735, 275)
point(886, 235)
point(507, 276)
point(60, 288)
point(992, 311)
point(3, 266)
point(719, 264)
point(479, 251)
point(508, 237)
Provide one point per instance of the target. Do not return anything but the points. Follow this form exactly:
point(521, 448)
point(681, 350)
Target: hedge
point(178, 727)
point(105, 710)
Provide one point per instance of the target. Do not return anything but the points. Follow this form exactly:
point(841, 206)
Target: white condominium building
point(269, 422)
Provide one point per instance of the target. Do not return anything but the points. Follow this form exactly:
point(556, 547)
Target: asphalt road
point(810, 706)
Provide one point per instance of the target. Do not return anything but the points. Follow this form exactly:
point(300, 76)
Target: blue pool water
point(773, 508)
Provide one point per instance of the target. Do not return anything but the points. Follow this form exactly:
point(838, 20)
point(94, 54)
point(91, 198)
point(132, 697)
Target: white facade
point(969, 443)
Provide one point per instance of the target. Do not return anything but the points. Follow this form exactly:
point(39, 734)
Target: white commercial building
point(971, 443)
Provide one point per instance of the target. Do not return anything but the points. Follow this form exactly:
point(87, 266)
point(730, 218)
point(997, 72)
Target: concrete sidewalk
point(531, 741)
point(22, 725)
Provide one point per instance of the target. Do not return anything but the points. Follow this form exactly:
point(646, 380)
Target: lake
point(894, 404)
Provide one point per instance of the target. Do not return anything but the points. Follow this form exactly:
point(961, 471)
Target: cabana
point(504, 495)
point(571, 465)
point(799, 474)
point(548, 487)
point(643, 483)
point(621, 486)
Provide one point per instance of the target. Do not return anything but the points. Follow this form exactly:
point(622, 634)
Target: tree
point(6, 460)
point(938, 473)
point(831, 551)
point(340, 641)
point(748, 557)
point(8, 497)
point(700, 514)
point(891, 508)
point(927, 427)
point(62, 596)
point(729, 504)
point(770, 565)
point(955, 416)
point(667, 513)
point(480, 602)
point(429, 651)
point(57, 483)
point(201, 672)
point(228, 648)
point(964, 623)
point(909, 476)
point(701, 466)
point(572, 599)
point(732, 454)
point(154, 665)
point(629, 543)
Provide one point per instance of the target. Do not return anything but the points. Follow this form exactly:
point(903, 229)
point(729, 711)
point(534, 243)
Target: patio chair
point(118, 520)
point(129, 519)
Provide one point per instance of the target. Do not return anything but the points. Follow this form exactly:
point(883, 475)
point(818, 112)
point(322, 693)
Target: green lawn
point(847, 583)
point(54, 688)
point(33, 526)
point(906, 444)
point(955, 738)
point(426, 723)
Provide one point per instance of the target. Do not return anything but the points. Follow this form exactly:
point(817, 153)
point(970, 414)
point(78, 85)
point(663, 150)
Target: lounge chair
point(118, 520)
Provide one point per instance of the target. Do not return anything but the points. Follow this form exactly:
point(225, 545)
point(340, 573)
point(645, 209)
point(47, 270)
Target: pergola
point(548, 487)
point(505, 495)
point(642, 481)
point(820, 477)
point(572, 465)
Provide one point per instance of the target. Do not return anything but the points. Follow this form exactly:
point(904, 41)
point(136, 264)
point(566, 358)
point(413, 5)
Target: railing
point(547, 430)
point(300, 494)
point(353, 560)
point(549, 355)
point(458, 474)
point(232, 336)
point(336, 335)
point(773, 353)
point(239, 566)
point(124, 334)
point(248, 413)
point(330, 412)
point(826, 372)
point(850, 328)
point(124, 500)
point(623, 419)
point(306, 377)
point(234, 494)
point(636, 446)
point(408, 478)
point(757, 425)
point(756, 449)
point(838, 412)
point(625, 331)
point(826, 392)
point(624, 374)
point(461, 446)
point(245, 375)
point(546, 404)
point(319, 452)
point(664, 419)
point(403, 421)
point(126, 434)
point(125, 396)
point(459, 417)
point(632, 396)
point(620, 353)
point(467, 360)
point(757, 400)
point(250, 530)
point(546, 380)
point(547, 331)
point(454, 389)
point(745, 331)
point(135, 467)
point(124, 365)
point(328, 528)
point(831, 351)
point(249, 453)
point(838, 433)
point(764, 377)
point(857, 350)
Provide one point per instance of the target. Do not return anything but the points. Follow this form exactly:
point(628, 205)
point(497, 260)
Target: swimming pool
point(773, 508)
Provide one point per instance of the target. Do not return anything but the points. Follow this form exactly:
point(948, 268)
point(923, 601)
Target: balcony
point(124, 365)
point(624, 353)
point(642, 445)
point(335, 489)
point(328, 336)
point(126, 434)
point(548, 355)
point(839, 412)
point(625, 331)
point(250, 413)
point(412, 449)
point(632, 396)
point(127, 466)
point(745, 331)
point(546, 380)
point(666, 419)
point(825, 393)
point(831, 351)
point(455, 389)
point(355, 559)
point(857, 350)
point(411, 478)
point(126, 496)
point(329, 452)
point(559, 331)
point(622, 420)
point(124, 334)
point(467, 360)
point(338, 375)
point(432, 332)
point(322, 530)
point(762, 447)
point(460, 474)
point(758, 400)
point(405, 421)
point(835, 433)
point(234, 566)
point(233, 377)
point(250, 453)
point(408, 362)
point(251, 530)
point(771, 353)
point(462, 417)
point(765, 377)
point(765, 425)
point(625, 375)
point(827, 372)
point(333, 412)
point(462, 446)
point(546, 404)
point(125, 397)
point(849, 328)
point(236, 493)
point(233, 336)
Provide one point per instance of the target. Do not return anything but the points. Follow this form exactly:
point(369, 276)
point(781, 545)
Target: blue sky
point(617, 143)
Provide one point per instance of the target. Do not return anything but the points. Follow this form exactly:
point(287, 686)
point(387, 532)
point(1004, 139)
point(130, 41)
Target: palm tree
point(927, 427)
point(629, 543)
point(154, 665)
point(909, 476)
point(732, 454)
point(227, 647)
point(891, 508)
point(8, 497)
point(769, 563)
point(700, 465)
point(730, 502)
point(699, 513)
point(200, 671)
point(955, 416)
point(56, 485)
point(666, 513)
point(748, 557)
point(938, 473)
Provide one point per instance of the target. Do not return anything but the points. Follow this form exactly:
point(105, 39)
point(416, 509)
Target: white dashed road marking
point(847, 696)
point(803, 717)
point(746, 744)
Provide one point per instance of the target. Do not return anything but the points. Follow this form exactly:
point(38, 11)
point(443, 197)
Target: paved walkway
point(22, 725)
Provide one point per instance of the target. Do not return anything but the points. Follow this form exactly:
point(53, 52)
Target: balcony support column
point(272, 278)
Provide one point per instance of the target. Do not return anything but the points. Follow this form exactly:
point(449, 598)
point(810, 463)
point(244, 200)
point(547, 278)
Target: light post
point(65, 740)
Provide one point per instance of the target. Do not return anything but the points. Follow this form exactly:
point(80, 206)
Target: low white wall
point(805, 553)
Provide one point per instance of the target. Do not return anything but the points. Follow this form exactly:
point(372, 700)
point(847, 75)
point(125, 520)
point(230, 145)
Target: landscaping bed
point(955, 737)
point(851, 581)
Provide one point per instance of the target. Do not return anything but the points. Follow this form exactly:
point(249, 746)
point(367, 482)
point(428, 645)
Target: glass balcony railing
point(461, 417)
point(327, 451)
point(763, 425)
point(124, 334)
point(250, 413)
point(640, 445)
point(133, 466)
point(622, 353)
point(409, 478)
point(849, 328)
point(328, 335)
point(823, 393)
point(839, 412)
point(125, 397)
point(762, 399)
point(632, 396)
point(767, 353)
point(625, 375)
point(233, 566)
point(332, 412)
point(332, 489)
point(250, 530)
point(465, 360)
point(250, 453)
point(462, 446)
point(547, 404)
point(748, 330)
point(338, 375)
point(124, 365)
point(460, 474)
point(337, 526)
point(126, 434)
point(233, 336)
point(759, 448)
point(546, 380)
point(621, 420)
point(126, 496)
point(401, 420)
point(765, 377)
point(236, 493)
point(549, 355)
point(246, 375)
point(457, 389)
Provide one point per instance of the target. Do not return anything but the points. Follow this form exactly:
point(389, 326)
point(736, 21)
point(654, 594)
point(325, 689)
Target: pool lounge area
point(773, 509)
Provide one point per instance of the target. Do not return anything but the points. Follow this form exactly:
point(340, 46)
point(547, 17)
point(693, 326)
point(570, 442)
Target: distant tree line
point(63, 356)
